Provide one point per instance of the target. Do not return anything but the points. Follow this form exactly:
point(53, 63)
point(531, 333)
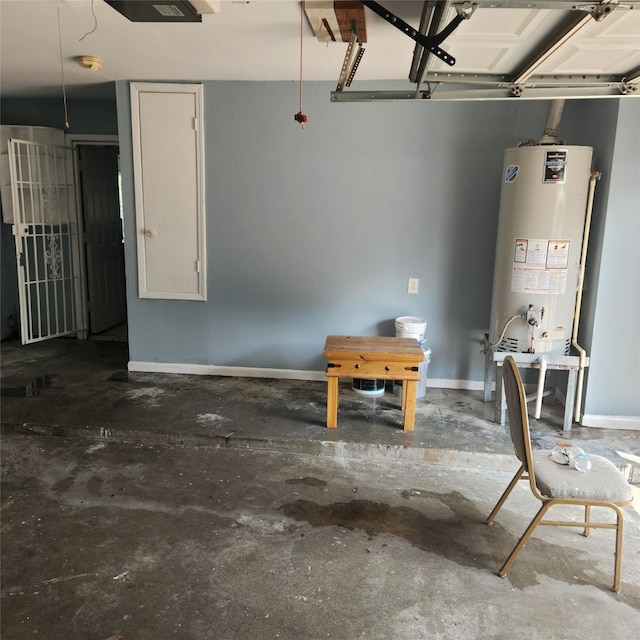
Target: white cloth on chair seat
point(603, 482)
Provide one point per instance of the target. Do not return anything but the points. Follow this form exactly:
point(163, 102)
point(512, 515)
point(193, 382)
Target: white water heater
point(540, 230)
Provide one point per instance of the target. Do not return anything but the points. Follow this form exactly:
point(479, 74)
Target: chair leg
point(523, 540)
point(587, 518)
point(618, 552)
point(505, 495)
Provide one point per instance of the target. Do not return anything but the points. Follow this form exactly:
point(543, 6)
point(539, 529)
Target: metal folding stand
point(493, 372)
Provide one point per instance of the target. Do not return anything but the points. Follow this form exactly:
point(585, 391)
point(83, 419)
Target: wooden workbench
point(373, 357)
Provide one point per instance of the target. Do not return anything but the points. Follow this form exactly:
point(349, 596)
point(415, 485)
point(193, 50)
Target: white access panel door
point(169, 190)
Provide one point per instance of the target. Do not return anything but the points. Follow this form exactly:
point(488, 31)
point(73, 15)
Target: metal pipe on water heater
point(550, 135)
point(540, 390)
point(595, 176)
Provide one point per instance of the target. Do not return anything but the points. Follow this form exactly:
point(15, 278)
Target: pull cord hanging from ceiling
point(64, 90)
point(300, 116)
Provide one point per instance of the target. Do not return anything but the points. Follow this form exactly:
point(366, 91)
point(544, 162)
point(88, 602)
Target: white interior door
point(104, 248)
point(47, 242)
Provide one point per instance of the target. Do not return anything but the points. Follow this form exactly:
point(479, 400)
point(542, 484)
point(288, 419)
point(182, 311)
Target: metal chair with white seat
point(554, 484)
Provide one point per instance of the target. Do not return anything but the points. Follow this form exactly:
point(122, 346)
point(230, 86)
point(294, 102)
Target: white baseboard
point(288, 374)
point(216, 370)
point(629, 423)
point(447, 383)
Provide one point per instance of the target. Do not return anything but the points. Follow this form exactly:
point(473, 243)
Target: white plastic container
point(368, 387)
point(422, 383)
point(411, 327)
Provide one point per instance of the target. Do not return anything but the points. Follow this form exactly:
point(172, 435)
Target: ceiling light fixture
point(90, 62)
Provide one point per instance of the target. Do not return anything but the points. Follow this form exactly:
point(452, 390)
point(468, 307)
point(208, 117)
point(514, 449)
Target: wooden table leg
point(409, 391)
point(332, 402)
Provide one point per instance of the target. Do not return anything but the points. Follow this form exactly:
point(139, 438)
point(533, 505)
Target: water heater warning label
point(540, 266)
point(547, 281)
point(555, 165)
point(558, 254)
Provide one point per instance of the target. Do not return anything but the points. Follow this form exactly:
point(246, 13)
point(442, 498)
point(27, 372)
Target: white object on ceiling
point(90, 62)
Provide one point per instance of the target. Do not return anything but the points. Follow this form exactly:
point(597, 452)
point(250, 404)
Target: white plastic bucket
point(368, 387)
point(421, 392)
point(411, 327)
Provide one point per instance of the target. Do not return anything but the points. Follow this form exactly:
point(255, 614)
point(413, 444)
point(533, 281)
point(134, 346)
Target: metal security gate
point(47, 240)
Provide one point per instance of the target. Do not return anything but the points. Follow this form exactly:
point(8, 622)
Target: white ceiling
point(260, 40)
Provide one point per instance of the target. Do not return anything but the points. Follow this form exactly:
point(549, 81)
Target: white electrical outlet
point(413, 285)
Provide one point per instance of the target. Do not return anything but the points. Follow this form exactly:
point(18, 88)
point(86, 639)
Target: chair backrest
point(518, 417)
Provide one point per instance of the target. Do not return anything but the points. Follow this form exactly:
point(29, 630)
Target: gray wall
point(316, 231)
point(577, 128)
point(613, 384)
point(85, 116)
point(611, 302)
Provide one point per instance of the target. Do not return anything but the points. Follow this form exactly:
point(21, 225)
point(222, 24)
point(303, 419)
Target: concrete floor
point(83, 389)
point(273, 526)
